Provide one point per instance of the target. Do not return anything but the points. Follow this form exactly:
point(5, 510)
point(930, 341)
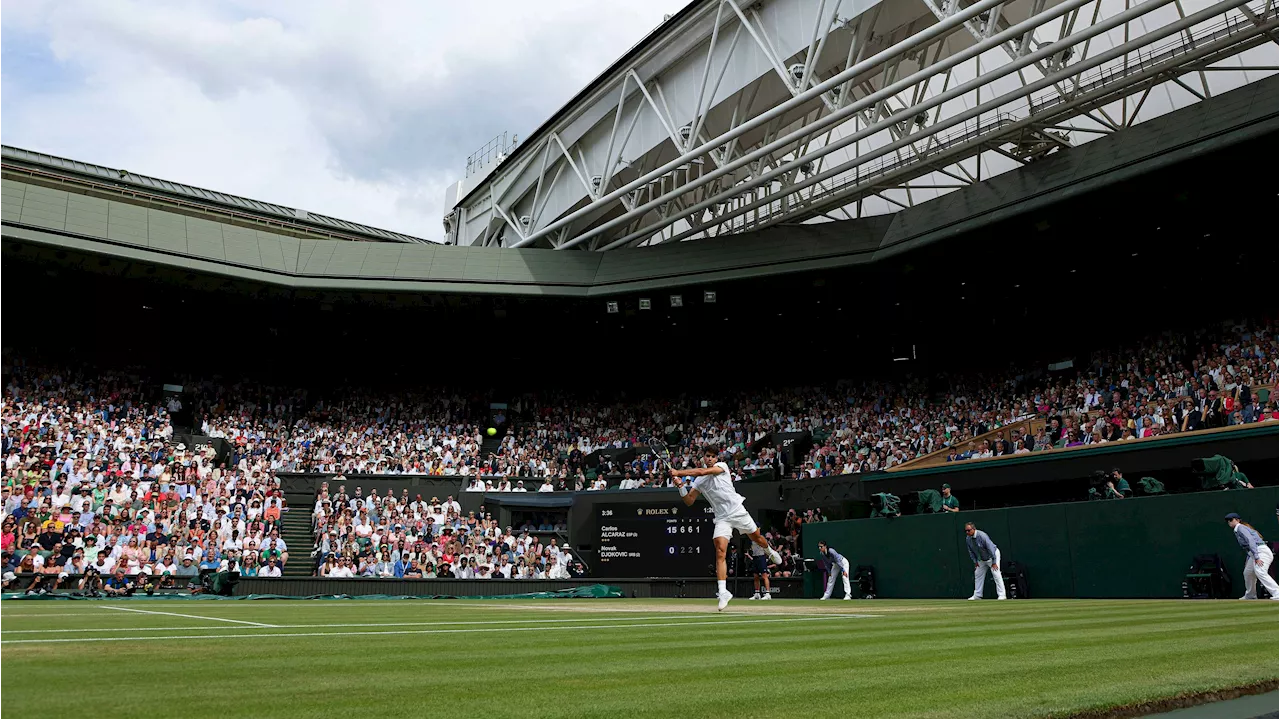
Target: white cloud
point(365, 111)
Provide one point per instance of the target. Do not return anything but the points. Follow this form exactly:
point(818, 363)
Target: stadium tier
point(733, 388)
point(264, 432)
point(96, 476)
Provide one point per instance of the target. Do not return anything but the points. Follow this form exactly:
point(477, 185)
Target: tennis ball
point(492, 431)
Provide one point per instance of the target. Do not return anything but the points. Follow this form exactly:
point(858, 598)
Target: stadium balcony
point(1027, 429)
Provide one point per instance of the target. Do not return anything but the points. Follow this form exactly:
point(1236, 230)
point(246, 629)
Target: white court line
point(370, 624)
point(7, 632)
point(188, 616)
point(564, 608)
point(431, 631)
point(668, 617)
point(6, 615)
point(605, 609)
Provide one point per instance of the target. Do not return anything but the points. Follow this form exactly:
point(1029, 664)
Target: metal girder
point(867, 106)
point(970, 142)
point(752, 118)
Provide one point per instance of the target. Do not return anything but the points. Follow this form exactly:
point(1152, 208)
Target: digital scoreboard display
point(655, 540)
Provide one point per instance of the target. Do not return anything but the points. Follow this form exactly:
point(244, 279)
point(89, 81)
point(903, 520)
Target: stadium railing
point(1028, 427)
point(1031, 425)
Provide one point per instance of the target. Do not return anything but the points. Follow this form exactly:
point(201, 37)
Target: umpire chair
point(1015, 580)
point(1207, 579)
point(863, 577)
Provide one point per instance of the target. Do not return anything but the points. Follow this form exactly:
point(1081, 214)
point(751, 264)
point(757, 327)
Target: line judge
point(837, 566)
point(985, 555)
point(1258, 560)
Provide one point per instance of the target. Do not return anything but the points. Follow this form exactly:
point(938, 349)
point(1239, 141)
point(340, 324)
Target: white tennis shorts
point(740, 520)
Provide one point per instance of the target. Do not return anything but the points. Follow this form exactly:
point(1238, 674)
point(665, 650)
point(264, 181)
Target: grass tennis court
point(624, 658)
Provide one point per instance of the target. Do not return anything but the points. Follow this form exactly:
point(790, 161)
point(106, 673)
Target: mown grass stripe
point(562, 628)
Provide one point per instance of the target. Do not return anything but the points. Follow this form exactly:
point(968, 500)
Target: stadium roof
point(731, 117)
point(306, 222)
point(627, 57)
point(65, 214)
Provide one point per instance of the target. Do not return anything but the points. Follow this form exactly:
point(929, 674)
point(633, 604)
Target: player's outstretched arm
point(695, 472)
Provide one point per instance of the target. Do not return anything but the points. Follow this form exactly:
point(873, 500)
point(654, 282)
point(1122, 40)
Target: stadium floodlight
point(709, 297)
point(646, 303)
point(677, 301)
point(611, 307)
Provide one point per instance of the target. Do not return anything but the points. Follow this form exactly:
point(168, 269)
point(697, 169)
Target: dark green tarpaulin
point(591, 591)
point(928, 501)
point(1218, 472)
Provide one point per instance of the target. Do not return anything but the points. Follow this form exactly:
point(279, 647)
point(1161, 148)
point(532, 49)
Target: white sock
point(720, 584)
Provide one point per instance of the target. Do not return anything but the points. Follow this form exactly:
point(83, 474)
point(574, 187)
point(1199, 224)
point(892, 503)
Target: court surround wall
point(1131, 548)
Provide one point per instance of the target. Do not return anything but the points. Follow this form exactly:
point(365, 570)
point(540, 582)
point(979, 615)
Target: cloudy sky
point(361, 110)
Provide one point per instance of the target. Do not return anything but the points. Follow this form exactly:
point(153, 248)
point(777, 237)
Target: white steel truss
point(875, 105)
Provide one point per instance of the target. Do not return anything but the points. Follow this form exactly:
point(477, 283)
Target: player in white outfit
point(713, 481)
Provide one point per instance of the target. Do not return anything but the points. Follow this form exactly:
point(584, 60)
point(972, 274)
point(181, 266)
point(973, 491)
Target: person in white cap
point(985, 555)
point(1258, 560)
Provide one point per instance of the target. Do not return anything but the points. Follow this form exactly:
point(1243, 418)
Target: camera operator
point(1120, 484)
point(44, 583)
point(119, 585)
point(1102, 486)
point(91, 583)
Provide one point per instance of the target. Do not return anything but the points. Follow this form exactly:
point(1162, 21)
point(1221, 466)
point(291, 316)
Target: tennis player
point(713, 481)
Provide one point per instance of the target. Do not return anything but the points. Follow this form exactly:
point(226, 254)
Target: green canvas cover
point(1216, 472)
point(1151, 485)
point(889, 505)
point(928, 501)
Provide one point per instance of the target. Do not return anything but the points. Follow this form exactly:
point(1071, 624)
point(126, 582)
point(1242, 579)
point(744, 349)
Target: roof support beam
point(942, 28)
point(989, 106)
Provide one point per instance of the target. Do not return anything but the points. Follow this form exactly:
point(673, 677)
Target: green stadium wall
point(1120, 549)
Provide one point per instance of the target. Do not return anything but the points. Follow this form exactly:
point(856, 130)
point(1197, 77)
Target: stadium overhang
point(736, 116)
point(59, 213)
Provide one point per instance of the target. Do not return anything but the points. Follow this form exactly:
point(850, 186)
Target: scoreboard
point(655, 540)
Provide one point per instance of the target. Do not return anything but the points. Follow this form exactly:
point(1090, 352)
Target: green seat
point(1263, 395)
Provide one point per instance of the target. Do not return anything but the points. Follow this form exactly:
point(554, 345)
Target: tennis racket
point(660, 449)
point(662, 452)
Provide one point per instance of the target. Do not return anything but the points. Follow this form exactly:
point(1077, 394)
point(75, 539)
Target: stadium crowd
point(392, 536)
point(96, 492)
point(1163, 384)
point(94, 479)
